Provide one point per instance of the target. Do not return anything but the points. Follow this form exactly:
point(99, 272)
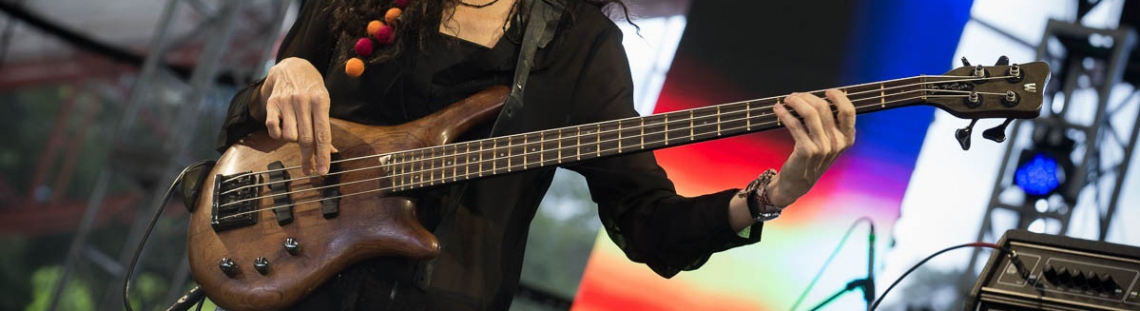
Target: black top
point(582, 76)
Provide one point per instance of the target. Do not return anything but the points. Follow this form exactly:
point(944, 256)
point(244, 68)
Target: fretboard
point(456, 162)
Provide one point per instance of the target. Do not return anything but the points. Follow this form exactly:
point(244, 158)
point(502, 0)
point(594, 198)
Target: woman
point(393, 61)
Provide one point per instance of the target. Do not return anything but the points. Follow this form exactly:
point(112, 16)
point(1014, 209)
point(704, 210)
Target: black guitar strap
point(541, 23)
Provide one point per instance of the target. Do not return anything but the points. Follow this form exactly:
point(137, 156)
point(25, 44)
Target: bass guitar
point(262, 236)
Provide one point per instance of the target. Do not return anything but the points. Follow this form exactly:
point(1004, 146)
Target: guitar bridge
point(235, 201)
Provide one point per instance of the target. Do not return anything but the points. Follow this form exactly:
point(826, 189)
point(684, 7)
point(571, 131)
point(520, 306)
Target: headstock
point(985, 92)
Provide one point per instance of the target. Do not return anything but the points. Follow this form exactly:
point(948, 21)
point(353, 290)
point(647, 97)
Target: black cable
point(827, 262)
point(150, 228)
point(928, 258)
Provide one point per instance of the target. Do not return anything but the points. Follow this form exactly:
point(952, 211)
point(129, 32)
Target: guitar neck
point(438, 165)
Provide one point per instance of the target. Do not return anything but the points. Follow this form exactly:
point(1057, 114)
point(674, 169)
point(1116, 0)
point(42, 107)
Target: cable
point(827, 262)
point(150, 228)
point(928, 258)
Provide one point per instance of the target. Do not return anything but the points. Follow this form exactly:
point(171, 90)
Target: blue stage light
point(1040, 175)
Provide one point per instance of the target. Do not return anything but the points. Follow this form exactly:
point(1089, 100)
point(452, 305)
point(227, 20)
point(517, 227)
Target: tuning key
point(963, 135)
point(997, 133)
point(965, 63)
point(1002, 61)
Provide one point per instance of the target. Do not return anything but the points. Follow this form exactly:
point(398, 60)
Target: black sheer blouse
point(581, 77)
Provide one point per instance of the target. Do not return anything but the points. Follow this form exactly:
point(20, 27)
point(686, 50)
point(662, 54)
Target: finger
point(322, 133)
point(288, 122)
point(304, 131)
point(825, 118)
point(846, 115)
point(272, 119)
point(794, 126)
point(811, 121)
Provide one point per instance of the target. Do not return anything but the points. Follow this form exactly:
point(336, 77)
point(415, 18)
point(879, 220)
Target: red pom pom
point(402, 3)
point(385, 34)
point(363, 47)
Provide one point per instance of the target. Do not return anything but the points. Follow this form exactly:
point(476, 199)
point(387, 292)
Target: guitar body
point(365, 226)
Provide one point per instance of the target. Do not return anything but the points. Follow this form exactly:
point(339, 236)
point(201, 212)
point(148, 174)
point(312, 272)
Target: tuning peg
point(997, 133)
point(965, 63)
point(1002, 61)
point(963, 135)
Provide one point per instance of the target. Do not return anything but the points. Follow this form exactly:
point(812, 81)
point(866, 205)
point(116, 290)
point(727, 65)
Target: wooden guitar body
point(365, 226)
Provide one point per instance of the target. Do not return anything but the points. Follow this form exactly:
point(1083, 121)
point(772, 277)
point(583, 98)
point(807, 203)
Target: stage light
point(1045, 168)
point(1040, 175)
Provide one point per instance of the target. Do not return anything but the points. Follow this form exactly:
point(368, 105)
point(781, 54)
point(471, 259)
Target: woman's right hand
point(294, 104)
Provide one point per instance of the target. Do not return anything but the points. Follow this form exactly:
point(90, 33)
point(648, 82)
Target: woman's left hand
point(820, 139)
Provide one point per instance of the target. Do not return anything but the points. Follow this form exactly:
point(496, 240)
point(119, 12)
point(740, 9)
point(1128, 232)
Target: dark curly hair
point(418, 20)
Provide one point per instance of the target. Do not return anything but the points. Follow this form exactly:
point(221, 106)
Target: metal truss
point(1087, 64)
point(237, 35)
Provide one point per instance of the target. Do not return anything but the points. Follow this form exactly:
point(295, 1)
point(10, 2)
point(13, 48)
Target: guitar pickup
point(279, 189)
point(330, 197)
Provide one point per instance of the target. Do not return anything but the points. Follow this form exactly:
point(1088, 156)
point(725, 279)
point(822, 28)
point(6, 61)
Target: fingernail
point(323, 170)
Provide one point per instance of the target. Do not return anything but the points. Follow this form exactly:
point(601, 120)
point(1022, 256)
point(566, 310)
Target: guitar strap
point(541, 23)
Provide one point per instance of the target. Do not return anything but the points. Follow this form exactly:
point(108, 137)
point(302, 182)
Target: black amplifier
point(1058, 273)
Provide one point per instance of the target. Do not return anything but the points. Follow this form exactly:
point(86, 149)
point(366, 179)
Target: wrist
point(775, 196)
point(759, 201)
point(257, 101)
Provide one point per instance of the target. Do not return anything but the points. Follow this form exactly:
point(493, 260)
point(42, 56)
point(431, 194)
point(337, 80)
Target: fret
point(508, 154)
point(666, 129)
point(559, 146)
point(398, 168)
point(467, 160)
point(526, 153)
point(882, 95)
point(748, 116)
point(405, 170)
point(642, 127)
point(455, 163)
point(480, 158)
point(691, 127)
point(415, 173)
point(717, 120)
point(431, 172)
point(578, 146)
point(541, 148)
point(597, 146)
point(619, 136)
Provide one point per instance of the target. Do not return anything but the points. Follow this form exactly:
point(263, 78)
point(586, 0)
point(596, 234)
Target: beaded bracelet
point(759, 204)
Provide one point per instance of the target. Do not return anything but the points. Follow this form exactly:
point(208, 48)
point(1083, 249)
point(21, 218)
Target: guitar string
point(493, 158)
point(511, 138)
point(723, 104)
point(423, 183)
point(415, 173)
point(468, 175)
point(514, 137)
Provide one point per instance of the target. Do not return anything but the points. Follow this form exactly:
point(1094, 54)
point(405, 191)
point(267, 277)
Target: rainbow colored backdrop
point(870, 180)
